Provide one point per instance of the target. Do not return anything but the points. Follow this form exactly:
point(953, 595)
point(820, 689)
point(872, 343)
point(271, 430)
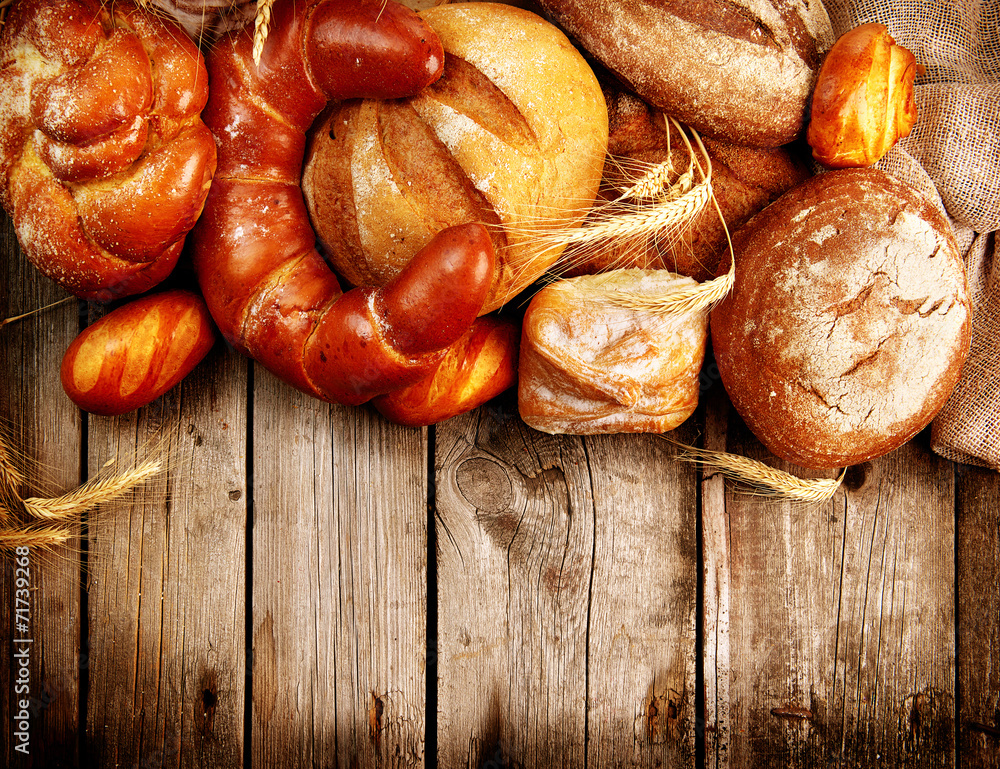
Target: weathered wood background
point(308, 585)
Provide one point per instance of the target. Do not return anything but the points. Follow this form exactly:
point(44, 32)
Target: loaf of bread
point(513, 135)
point(737, 70)
point(589, 363)
point(744, 180)
point(104, 160)
point(849, 321)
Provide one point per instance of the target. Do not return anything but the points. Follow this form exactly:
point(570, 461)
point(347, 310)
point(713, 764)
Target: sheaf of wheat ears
point(46, 522)
point(696, 298)
point(762, 479)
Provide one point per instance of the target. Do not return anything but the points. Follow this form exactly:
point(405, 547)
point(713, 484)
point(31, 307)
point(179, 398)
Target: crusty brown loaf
point(744, 180)
point(589, 365)
point(513, 134)
point(849, 322)
point(739, 70)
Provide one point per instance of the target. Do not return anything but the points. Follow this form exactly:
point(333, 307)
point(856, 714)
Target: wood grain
point(978, 563)
point(339, 584)
point(45, 428)
point(166, 580)
point(842, 643)
point(566, 599)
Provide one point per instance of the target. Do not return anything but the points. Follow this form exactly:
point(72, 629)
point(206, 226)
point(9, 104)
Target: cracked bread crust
point(736, 70)
point(849, 322)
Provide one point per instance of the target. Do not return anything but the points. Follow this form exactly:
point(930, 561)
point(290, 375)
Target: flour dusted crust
point(513, 135)
point(588, 365)
point(849, 321)
point(738, 70)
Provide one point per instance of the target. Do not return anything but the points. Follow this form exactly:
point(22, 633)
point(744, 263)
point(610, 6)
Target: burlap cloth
point(953, 153)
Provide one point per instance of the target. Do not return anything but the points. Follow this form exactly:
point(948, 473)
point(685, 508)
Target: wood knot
point(485, 484)
point(856, 476)
point(204, 711)
point(375, 712)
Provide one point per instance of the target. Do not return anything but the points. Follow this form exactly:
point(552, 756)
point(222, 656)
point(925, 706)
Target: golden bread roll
point(863, 100)
point(513, 135)
point(590, 365)
point(849, 322)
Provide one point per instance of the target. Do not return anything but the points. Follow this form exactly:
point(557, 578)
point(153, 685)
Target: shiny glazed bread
point(104, 160)
point(513, 135)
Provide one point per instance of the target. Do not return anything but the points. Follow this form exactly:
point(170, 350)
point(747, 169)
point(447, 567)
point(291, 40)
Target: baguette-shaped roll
point(512, 135)
point(590, 365)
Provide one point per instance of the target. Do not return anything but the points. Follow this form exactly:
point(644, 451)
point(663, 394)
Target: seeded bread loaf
point(738, 70)
point(849, 322)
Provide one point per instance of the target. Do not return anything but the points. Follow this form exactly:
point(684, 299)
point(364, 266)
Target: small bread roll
point(590, 365)
point(513, 135)
point(849, 321)
point(863, 100)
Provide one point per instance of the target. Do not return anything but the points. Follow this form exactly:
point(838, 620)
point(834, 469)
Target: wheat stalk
point(91, 493)
point(762, 479)
point(45, 522)
point(261, 28)
point(34, 536)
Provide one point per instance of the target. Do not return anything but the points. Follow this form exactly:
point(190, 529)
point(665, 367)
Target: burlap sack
point(954, 152)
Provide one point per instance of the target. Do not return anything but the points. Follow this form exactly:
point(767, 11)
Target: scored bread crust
point(849, 322)
point(738, 70)
point(513, 135)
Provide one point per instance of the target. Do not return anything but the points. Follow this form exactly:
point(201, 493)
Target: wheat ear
point(261, 28)
point(762, 479)
point(46, 522)
point(91, 493)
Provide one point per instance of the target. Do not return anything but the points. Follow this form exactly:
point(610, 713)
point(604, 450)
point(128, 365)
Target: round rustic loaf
point(513, 135)
point(849, 322)
point(738, 70)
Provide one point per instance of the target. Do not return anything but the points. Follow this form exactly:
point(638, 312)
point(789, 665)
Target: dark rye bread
point(737, 70)
point(849, 322)
point(513, 135)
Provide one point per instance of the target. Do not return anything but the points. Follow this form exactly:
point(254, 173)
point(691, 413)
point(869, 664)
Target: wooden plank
point(715, 564)
point(566, 597)
point(842, 636)
point(339, 584)
point(167, 580)
point(45, 428)
point(978, 563)
point(642, 665)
